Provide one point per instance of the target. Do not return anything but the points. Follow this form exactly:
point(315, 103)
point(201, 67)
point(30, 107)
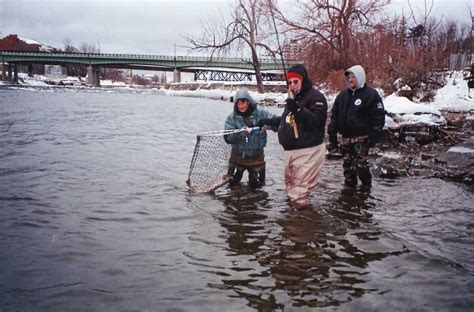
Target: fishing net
point(210, 161)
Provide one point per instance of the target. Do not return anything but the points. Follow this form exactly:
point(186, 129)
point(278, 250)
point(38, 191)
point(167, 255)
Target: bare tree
point(113, 74)
point(422, 53)
point(67, 45)
point(471, 37)
point(246, 31)
point(88, 47)
point(327, 28)
point(73, 69)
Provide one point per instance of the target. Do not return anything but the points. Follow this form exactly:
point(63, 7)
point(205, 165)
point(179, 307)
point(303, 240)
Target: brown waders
point(255, 165)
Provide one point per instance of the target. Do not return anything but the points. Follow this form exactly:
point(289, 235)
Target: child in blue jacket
point(247, 146)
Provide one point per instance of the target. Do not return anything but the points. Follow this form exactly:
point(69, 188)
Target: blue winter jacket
point(253, 144)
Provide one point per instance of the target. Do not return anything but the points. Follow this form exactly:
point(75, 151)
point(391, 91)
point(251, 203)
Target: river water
point(95, 216)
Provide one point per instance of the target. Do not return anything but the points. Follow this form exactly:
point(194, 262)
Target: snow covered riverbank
point(453, 97)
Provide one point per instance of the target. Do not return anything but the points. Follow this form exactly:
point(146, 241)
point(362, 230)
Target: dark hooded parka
point(310, 116)
point(357, 112)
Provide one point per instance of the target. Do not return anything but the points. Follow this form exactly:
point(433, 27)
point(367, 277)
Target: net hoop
point(209, 164)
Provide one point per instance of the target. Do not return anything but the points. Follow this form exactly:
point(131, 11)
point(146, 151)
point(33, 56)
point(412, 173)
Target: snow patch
point(403, 111)
point(30, 41)
point(454, 95)
point(224, 94)
point(392, 155)
point(108, 82)
point(461, 150)
point(42, 47)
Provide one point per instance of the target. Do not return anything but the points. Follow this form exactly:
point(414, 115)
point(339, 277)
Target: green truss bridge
point(202, 67)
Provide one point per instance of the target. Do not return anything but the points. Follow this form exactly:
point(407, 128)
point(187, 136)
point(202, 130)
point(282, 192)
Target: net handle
point(228, 131)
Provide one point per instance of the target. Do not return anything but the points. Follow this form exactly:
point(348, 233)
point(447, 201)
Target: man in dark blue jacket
point(358, 115)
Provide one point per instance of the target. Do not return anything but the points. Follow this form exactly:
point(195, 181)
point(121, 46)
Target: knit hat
point(294, 75)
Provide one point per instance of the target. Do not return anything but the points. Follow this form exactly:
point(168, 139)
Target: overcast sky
point(138, 26)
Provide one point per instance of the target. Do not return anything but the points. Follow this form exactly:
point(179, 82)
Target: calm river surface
point(95, 216)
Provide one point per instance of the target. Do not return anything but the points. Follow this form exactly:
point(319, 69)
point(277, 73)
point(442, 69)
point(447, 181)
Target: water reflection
point(353, 206)
point(247, 221)
point(310, 257)
point(243, 218)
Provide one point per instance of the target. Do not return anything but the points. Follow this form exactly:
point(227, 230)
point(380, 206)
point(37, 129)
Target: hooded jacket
point(253, 144)
point(357, 112)
point(310, 116)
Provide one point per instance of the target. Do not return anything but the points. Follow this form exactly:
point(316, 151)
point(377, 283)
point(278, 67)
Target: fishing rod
point(278, 39)
point(290, 93)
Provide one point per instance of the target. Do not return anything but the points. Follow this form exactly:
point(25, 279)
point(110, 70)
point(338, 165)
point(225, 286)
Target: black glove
point(332, 146)
point(291, 104)
point(234, 138)
point(263, 122)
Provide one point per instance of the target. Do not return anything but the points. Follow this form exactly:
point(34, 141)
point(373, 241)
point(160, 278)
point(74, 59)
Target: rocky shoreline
point(428, 151)
point(431, 151)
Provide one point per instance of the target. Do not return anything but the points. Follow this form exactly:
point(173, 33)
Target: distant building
point(292, 50)
point(14, 43)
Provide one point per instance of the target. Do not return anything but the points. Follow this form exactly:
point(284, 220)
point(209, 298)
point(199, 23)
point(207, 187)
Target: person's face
point(243, 105)
point(351, 80)
point(295, 85)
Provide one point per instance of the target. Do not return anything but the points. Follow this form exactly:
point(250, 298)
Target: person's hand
point(247, 131)
point(291, 104)
point(333, 146)
point(263, 122)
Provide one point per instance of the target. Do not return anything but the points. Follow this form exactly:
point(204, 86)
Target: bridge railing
point(136, 56)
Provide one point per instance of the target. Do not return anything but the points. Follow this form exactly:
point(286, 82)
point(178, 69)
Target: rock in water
point(459, 161)
point(392, 165)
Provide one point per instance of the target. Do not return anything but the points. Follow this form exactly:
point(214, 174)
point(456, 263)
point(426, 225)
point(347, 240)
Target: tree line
point(410, 49)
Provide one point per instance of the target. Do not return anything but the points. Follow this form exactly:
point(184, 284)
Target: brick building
point(15, 43)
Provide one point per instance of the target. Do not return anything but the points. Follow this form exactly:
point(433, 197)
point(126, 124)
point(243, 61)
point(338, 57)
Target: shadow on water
point(306, 257)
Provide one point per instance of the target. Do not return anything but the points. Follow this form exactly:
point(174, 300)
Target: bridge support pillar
point(176, 75)
point(9, 74)
point(15, 73)
point(4, 72)
point(93, 76)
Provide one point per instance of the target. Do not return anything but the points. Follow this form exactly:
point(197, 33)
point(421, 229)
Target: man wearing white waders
point(358, 115)
point(301, 132)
